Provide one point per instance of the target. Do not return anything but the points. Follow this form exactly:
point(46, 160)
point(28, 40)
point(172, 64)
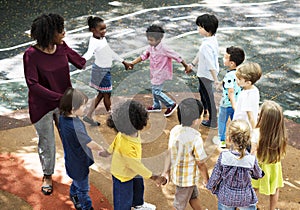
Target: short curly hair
point(44, 27)
point(155, 31)
point(128, 117)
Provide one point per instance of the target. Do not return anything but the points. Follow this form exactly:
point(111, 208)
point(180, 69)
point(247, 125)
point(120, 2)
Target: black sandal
point(47, 189)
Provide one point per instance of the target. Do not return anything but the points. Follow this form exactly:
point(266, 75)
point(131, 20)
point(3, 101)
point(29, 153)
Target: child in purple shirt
point(160, 68)
point(231, 176)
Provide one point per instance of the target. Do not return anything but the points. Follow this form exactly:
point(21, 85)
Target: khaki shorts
point(183, 195)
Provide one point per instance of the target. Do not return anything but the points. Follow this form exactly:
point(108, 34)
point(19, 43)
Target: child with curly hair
point(160, 56)
point(126, 167)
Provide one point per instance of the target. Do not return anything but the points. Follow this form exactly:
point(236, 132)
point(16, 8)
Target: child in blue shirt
point(233, 57)
point(77, 146)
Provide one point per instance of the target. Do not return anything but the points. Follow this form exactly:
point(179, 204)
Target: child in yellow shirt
point(126, 149)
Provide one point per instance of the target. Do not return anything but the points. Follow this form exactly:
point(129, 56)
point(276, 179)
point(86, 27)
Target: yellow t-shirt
point(126, 158)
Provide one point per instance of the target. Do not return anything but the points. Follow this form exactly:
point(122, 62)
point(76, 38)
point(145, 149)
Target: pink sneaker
point(170, 110)
point(152, 109)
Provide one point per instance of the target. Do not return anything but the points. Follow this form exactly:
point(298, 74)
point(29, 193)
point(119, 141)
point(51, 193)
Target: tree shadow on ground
point(19, 181)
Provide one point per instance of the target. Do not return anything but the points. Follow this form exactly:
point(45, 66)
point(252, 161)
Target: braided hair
point(239, 134)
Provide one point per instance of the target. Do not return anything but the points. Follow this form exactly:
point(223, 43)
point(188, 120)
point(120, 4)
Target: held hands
point(128, 65)
point(188, 69)
point(159, 180)
point(103, 153)
point(218, 85)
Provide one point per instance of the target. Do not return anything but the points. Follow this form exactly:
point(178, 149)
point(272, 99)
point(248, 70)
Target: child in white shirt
point(100, 76)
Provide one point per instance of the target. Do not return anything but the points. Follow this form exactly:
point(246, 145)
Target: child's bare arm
point(137, 60)
point(215, 77)
point(203, 171)
point(94, 146)
point(231, 97)
point(251, 119)
point(166, 171)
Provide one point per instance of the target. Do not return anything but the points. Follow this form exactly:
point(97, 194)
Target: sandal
point(90, 121)
point(47, 189)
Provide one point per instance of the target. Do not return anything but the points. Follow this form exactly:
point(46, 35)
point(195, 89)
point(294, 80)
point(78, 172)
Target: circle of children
point(257, 139)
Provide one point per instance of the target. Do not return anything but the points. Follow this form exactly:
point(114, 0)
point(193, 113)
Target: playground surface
point(267, 30)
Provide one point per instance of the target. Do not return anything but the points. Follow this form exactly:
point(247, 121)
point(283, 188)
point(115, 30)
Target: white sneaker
point(222, 144)
point(216, 140)
point(145, 206)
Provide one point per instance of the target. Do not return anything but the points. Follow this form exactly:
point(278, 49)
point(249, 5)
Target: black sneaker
point(170, 110)
point(90, 121)
point(208, 124)
point(75, 201)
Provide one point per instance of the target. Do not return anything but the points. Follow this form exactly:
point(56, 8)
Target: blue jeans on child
point(159, 96)
point(128, 194)
point(224, 114)
point(223, 207)
point(81, 189)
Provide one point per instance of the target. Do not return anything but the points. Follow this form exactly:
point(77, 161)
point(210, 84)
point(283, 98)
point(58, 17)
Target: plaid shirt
point(186, 147)
point(231, 179)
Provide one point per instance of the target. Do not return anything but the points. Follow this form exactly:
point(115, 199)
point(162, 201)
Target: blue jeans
point(223, 207)
point(224, 114)
point(81, 189)
point(128, 194)
point(159, 96)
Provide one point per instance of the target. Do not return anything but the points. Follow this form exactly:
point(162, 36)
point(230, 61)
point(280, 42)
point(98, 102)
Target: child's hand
point(188, 69)
point(130, 66)
point(127, 65)
point(218, 85)
point(159, 180)
point(103, 153)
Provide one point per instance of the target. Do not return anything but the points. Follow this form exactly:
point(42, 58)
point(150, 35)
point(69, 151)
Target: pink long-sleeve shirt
point(161, 67)
point(47, 77)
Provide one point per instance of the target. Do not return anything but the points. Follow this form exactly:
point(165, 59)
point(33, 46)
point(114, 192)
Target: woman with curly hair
point(46, 69)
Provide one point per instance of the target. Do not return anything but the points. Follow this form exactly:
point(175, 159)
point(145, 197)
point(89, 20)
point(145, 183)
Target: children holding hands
point(101, 68)
point(161, 69)
point(186, 155)
point(77, 146)
point(126, 167)
point(208, 66)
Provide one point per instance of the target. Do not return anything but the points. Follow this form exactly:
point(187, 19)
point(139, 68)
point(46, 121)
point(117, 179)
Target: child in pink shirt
point(161, 68)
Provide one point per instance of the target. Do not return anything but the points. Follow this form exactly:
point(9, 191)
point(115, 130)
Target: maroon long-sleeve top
point(47, 77)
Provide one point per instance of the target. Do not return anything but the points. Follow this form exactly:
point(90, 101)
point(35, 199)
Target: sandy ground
point(18, 138)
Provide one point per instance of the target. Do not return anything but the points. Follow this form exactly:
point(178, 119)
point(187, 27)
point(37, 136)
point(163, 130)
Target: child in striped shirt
point(185, 159)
